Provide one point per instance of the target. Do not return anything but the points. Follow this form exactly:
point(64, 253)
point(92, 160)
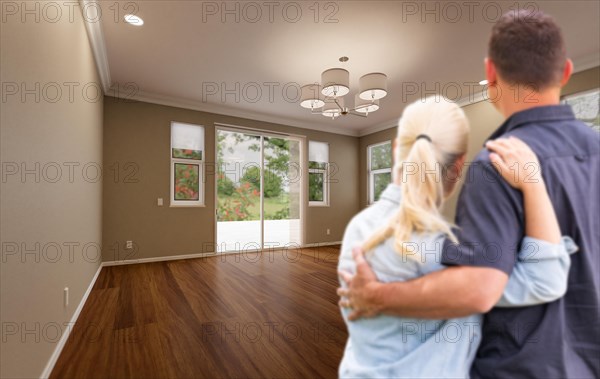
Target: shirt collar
point(536, 114)
point(392, 193)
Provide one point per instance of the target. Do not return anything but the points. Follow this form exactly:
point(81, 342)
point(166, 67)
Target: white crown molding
point(580, 64)
point(477, 97)
point(587, 62)
point(389, 124)
point(96, 37)
point(178, 102)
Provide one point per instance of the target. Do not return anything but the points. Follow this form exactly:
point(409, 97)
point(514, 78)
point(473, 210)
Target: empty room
point(300, 189)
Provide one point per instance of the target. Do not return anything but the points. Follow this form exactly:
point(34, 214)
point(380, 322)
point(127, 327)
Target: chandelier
point(327, 98)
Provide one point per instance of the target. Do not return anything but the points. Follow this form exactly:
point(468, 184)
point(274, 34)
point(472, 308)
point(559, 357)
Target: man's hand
point(361, 288)
point(449, 293)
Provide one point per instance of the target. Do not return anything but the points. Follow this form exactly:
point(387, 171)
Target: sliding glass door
point(281, 192)
point(259, 190)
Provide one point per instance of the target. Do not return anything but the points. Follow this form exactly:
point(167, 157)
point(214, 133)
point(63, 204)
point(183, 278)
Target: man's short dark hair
point(527, 48)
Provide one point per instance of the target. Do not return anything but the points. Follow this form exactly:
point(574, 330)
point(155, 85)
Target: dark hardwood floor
point(269, 315)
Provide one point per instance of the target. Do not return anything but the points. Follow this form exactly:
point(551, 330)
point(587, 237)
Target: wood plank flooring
point(253, 315)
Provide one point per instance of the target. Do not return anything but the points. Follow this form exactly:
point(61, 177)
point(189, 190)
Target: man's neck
point(530, 99)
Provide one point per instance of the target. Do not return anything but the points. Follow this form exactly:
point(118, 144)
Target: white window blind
point(318, 152)
point(187, 137)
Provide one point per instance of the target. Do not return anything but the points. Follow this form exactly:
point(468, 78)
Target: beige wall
point(484, 119)
point(47, 214)
point(139, 132)
point(583, 81)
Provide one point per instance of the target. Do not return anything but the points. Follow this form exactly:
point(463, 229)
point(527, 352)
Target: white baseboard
point(157, 259)
point(63, 340)
point(200, 255)
point(319, 244)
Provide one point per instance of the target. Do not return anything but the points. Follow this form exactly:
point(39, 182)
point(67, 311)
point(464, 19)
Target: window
point(187, 165)
point(379, 157)
point(318, 181)
point(586, 107)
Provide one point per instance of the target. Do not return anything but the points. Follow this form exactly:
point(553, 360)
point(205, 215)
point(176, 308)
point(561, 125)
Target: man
point(526, 68)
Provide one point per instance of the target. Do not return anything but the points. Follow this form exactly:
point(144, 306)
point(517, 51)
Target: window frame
point(325, 202)
point(325, 172)
point(565, 98)
point(371, 173)
point(174, 203)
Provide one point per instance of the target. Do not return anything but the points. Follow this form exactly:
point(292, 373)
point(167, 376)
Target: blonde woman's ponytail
point(432, 135)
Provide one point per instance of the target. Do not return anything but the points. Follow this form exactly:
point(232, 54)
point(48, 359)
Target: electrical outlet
point(328, 232)
point(129, 245)
point(66, 296)
point(159, 202)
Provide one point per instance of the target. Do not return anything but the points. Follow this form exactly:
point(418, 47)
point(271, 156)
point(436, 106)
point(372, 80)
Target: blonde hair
point(432, 136)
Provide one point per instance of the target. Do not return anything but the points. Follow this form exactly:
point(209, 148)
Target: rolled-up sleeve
point(541, 273)
point(489, 219)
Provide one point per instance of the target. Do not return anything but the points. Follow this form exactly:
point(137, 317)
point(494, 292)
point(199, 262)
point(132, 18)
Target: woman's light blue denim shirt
point(396, 347)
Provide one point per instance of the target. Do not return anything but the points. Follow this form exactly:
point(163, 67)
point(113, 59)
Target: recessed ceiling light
point(134, 20)
point(483, 82)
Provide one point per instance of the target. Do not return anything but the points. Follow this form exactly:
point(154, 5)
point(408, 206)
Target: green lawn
point(272, 205)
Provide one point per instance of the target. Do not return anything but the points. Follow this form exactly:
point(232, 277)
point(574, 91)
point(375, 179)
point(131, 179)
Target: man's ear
point(567, 72)
point(460, 162)
point(454, 175)
point(490, 72)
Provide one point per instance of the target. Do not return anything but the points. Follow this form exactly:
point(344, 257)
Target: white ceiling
point(183, 47)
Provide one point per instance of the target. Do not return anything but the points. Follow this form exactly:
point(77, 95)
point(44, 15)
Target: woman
point(403, 234)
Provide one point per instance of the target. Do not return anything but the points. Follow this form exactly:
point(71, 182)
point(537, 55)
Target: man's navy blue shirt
point(560, 339)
